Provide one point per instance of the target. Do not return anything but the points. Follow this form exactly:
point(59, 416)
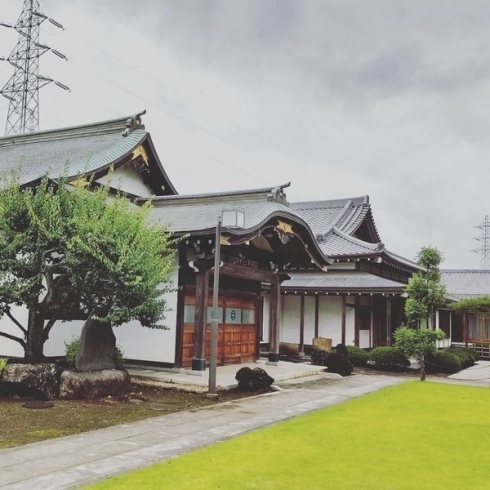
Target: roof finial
point(133, 122)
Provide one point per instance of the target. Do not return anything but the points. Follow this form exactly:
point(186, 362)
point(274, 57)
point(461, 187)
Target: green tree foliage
point(417, 343)
point(65, 250)
point(425, 291)
point(479, 306)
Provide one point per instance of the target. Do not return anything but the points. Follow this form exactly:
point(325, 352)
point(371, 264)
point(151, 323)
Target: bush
point(467, 355)
point(72, 351)
point(388, 358)
point(443, 361)
point(3, 363)
point(357, 356)
point(334, 362)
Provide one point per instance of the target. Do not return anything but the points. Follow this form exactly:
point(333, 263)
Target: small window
point(248, 316)
point(210, 314)
point(233, 315)
point(189, 313)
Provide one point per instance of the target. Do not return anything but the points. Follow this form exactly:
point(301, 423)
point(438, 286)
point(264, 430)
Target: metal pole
point(214, 320)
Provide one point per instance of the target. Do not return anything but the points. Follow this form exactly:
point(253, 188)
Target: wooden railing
point(481, 348)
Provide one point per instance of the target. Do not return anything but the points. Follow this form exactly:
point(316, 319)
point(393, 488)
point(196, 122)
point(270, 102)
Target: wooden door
point(237, 330)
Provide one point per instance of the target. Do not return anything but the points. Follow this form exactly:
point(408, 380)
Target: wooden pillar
point(317, 315)
point(388, 321)
point(344, 299)
point(199, 351)
point(274, 321)
point(465, 328)
point(302, 326)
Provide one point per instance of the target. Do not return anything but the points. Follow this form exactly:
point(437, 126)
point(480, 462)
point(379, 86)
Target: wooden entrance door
point(237, 330)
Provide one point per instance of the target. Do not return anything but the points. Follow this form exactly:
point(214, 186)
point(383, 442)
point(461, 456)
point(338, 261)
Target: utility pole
point(22, 89)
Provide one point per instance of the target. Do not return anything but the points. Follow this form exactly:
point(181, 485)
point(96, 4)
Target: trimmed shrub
point(334, 362)
point(467, 355)
point(357, 356)
point(443, 361)
point(72, 351)
point(388, 358)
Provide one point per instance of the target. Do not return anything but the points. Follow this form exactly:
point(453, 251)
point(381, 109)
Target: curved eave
point(245, 234)
point(159, 165)
point(377, 258)
point(342, 290)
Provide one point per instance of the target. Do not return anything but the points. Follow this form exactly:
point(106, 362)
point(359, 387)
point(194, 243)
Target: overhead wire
point(185, 120)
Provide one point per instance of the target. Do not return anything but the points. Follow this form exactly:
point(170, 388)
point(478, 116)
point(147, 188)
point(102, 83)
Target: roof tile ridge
point(122, 125)
point(376, 247)
point(261, 195)
point(457, 271)
point(325, 203)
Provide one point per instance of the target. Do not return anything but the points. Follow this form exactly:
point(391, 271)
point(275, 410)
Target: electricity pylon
point(484, 248)
point(22, 90)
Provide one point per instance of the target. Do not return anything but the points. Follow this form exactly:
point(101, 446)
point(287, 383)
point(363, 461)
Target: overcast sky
point(341, 97)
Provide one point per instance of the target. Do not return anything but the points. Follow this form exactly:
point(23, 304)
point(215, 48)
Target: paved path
point(75, 461)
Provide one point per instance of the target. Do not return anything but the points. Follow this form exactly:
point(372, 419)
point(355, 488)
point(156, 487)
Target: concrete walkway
point(75, 461)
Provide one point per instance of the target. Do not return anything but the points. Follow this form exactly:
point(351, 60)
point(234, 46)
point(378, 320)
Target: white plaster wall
point(9, 347)
point(136, 342)
point(266, 317)
point(128, 180)
point(148, 344)
point(330, 318)
point(350, 326)
point(309, 319)
point(290, 318)
point(60, 333)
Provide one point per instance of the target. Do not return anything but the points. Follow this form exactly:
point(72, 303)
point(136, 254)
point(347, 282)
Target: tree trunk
point(422, 368)
point(35, 337)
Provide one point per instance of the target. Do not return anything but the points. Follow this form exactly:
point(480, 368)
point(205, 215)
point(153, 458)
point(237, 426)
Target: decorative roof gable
point(85, 150)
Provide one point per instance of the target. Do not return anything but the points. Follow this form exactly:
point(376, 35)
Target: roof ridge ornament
point(277, 194)
point(133, 122)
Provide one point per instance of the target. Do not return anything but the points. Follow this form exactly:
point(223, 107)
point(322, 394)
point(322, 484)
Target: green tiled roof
point(70, 151)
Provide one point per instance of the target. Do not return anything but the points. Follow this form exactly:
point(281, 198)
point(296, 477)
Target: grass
point(20, 425)
point(412, 436)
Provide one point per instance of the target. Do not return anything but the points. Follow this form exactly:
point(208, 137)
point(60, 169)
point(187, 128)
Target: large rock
point(40, 381)
point(96, 384)
point(97, 349)
point(253, 379)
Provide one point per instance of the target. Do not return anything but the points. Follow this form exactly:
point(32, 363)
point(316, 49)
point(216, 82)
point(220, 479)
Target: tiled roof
point(403, 260)
point(338, 244)
point(466, 283)
point(343, 281)
point(71, 151)
point(199, 213)
point(344, 214)
point(335, 222)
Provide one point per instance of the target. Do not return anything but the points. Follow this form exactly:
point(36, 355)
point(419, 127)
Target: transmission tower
point(484, 248)
point(22, 90)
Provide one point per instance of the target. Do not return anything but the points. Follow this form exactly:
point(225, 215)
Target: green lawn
point(412, 436)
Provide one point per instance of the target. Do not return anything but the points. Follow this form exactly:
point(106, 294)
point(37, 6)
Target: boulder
point(95, 384)
point(341, 349)
point(41, 381)
point(97, 349)
point(253, 379)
